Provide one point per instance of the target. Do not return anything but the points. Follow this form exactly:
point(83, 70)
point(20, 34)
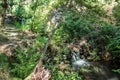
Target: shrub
point(63, 75)
point(75, 26)
point(4, 74)
point(117, 70)
point(24, 64)
point(114, 47)
point(116, 12)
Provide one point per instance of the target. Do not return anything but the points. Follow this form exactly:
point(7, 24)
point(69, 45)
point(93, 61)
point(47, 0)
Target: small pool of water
point(94, 70)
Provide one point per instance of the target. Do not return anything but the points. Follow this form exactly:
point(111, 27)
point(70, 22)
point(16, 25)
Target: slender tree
point(39, 72)
point(3, 12)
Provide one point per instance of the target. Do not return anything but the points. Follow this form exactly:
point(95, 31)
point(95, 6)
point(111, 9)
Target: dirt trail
point(11, 38)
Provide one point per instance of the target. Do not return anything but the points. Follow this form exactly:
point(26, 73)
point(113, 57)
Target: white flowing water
point(97, 71)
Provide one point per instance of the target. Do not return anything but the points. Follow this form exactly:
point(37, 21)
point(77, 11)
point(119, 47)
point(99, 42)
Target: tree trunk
point(3, 13)
point(39, 68)
point(39, 71)
point(1, 20)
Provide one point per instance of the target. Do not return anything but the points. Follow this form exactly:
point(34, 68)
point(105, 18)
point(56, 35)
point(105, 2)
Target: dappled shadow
point(97, 71)
point(87, 67)
point(11, 38)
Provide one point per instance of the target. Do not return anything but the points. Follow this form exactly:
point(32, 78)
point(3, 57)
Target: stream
point(92, 70)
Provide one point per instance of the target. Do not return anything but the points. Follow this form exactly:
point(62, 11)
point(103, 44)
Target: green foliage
point(0, 6)
point(114, 47)
point(0, 9)
point(63, 75)
point(116, 70)
point(99, 11)
point(17, 24)
point(63, 50)
point(39, 27)
point(59, 75)
point(75, 26)
point(20, 11)
point(94, 56)
point(40, 42)
point(103, 35)
point(3, 61)
point(14, 78)
point(23, 27)
point(24, 63)
point(4, 74)
point(106, 32)
point(116, 12)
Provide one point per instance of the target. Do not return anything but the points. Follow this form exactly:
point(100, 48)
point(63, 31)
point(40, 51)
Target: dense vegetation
point(90, 26)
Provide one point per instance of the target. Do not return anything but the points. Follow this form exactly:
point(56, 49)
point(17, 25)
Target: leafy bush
point(63, 75)
point(75, 26)
point(103, 35)
point(59, 75)
point(20, 11)
point(3, 61)
point(25, 62)
point(116, 12)
point(117, 70)
point(4, 74)
point(114, 47)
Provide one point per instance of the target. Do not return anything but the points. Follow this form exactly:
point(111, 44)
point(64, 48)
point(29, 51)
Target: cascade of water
point(77, 61)
point(81, 63)
point(96, 71)
point(75, 56)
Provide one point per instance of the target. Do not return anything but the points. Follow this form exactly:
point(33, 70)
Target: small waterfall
point(95, 71)
point(81, 63)
point(77, 61)
point(75, 56)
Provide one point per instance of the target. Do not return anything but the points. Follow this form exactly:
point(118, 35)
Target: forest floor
point(11, 37)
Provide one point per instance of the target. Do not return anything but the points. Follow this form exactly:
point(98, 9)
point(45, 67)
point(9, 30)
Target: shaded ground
point(93, 70)
point(11, 37)
point(99, 71)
